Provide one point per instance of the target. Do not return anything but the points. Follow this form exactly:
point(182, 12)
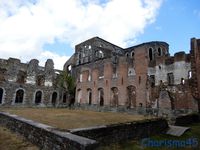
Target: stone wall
point(187, 119)
point(28, 84)
point(45, 137)
point(125, 131)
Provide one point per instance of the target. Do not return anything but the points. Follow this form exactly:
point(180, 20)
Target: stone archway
point(114, 100)
point(131, 99)
point(38, 97)
point(1, 95)
point(19, 96)
point(54, 98)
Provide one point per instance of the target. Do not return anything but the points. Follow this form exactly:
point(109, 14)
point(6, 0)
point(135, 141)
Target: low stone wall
point(125, 131)
point(187, 119)
point(137, 110)
point(46, 137)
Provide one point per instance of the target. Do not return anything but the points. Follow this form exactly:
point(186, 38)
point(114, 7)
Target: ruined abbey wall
point(28, 84)
point(141, 76)
point(144, 75)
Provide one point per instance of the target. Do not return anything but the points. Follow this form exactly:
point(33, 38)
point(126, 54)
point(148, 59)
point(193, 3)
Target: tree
point(67, 84)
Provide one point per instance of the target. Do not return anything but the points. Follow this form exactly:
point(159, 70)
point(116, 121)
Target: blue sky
point(45, 29)
point(176, 23)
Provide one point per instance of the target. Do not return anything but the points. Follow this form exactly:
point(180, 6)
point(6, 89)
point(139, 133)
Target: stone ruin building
point(28, 84)
point(141, 76)
point(108, 76)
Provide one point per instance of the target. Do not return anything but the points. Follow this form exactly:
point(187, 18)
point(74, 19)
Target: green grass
point(194, 132)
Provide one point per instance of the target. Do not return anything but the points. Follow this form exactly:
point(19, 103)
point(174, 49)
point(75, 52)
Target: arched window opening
point(89, 95)
point(150, 54)
point(182, 81)
point(79, 55)
point(54, 98)
point(152, 80)
point(1, 95)
point(38, 97)
point(127, 55)
point(101, 55)
point(81, 78)
point(101, 97)
point(170, 78)
point(79, 58)
point(131, 96)
point(114, 101)
point(21, 77)
point(132, 55)
point(190, 74)
point(69, 68)
point(139, 80)
point(79, 96)
point(159, 51)
point(19, 96)
point(40, 80)
point(64, 97)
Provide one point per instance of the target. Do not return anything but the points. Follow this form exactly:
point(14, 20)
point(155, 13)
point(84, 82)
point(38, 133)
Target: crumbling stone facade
point(141, 76)
point(29, 84)
point(195, 67)
point(144, 75)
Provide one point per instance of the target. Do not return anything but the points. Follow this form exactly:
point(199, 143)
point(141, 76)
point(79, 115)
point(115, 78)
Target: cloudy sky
point(45, 29)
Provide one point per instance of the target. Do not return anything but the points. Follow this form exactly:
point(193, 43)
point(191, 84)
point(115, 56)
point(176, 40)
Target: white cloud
point(26, 26)
point(58, 60)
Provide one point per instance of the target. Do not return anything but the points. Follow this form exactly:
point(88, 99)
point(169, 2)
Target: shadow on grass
point(191, 137)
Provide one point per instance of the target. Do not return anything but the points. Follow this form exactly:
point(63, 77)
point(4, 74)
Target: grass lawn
point(63, 118)
point(193, 133)
point(11, 141)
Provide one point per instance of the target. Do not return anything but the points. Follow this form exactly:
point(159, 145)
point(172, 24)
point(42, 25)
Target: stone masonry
point(28, 84)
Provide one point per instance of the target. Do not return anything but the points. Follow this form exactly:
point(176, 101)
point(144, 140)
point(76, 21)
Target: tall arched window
point(89, 96)
point(159, 51)
point(131, 96)
point(114, 95)
point(79, 58)
point(79, 95)
point(132, 54)
point(38, 97)
point(1, 95)
point(19, 96)
point(101, 96)
point(150, 54)
point(65, 97)
point(54, 98)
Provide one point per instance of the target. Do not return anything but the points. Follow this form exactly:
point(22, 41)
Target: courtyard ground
point(63, 118)
point(68, 119)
